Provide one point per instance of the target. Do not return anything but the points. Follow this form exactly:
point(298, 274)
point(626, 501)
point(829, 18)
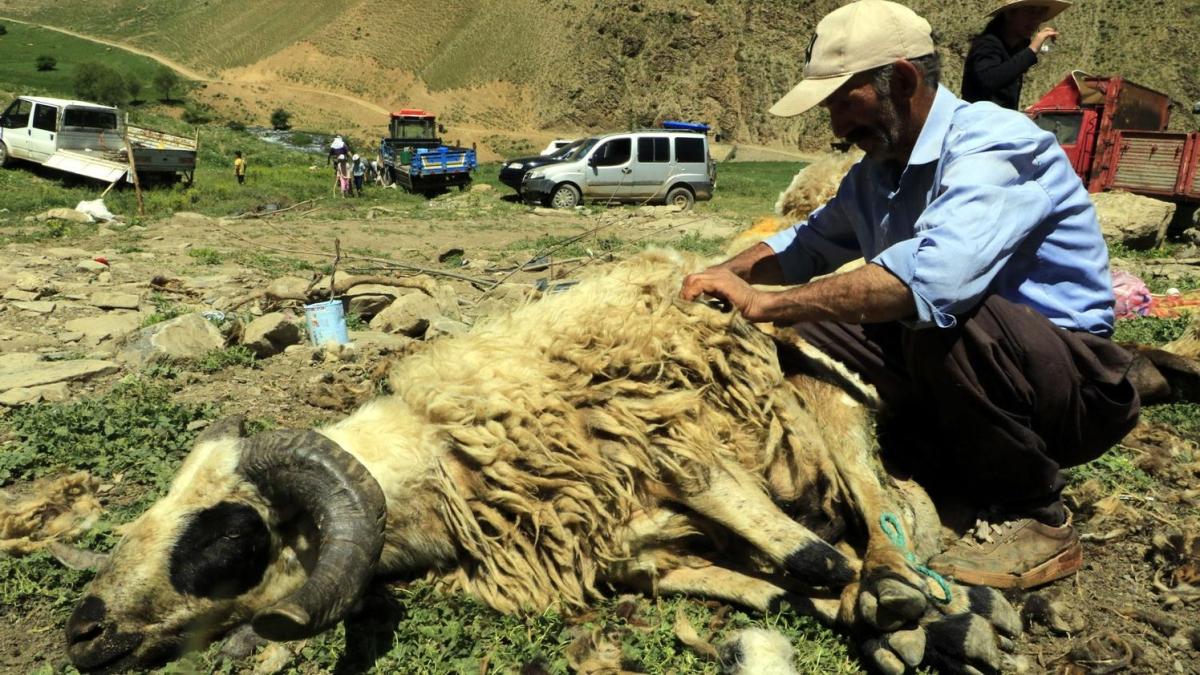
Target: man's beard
point(886, 133)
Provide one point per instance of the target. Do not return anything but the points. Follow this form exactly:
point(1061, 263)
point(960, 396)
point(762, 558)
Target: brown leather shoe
point(1020, 553)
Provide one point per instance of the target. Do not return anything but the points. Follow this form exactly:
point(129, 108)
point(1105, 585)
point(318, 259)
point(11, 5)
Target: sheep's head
point(282, 530)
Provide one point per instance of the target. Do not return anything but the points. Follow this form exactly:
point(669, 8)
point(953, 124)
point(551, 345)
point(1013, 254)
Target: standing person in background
point(358, 171)
point(1007, 47)
point(341, 173)
point(336, 147)
point(239, 167)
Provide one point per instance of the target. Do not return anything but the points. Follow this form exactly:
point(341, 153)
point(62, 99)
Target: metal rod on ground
point(137, 184)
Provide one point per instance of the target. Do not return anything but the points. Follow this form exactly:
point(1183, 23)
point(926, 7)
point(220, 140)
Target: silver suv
point(647, 166)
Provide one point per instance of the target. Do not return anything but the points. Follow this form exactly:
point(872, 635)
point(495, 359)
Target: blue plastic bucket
point(326, 322)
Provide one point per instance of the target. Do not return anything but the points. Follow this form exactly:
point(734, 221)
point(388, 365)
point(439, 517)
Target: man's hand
point(724, 285)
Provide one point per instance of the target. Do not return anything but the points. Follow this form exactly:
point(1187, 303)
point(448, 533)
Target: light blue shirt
point(988, 203)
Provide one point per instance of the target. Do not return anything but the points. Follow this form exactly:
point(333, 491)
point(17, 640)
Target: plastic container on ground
point(326, 323)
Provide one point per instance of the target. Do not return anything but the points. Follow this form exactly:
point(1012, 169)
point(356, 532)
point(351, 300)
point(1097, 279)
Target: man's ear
point(906, 77)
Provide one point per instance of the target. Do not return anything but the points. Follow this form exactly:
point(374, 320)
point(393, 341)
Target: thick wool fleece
point(564, 410)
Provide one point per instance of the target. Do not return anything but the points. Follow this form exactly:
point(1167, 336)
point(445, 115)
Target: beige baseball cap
point(1053, 7)
point(851, 39)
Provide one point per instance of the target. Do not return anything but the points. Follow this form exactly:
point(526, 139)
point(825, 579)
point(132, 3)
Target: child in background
point(239, 167)
point(341, 169)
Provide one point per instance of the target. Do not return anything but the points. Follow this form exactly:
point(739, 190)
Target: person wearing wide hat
point(1008, 46)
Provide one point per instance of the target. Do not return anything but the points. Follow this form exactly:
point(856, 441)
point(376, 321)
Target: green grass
point(748, 190)
point(135, 430)
point(1183, 418)
point(1115, 471)
point(1149, 330)
point(220, 359)
point(420, 630)
point(22, 45)
point(165, 309)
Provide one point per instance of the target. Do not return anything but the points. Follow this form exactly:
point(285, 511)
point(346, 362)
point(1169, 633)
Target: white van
point(648, 166)
point(88, 139)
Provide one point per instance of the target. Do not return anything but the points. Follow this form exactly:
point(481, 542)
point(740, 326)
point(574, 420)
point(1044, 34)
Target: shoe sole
point(1063, 564)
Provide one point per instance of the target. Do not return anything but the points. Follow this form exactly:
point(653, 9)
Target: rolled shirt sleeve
point(985, 210)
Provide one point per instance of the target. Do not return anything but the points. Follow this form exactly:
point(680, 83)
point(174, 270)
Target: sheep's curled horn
point(309, 472)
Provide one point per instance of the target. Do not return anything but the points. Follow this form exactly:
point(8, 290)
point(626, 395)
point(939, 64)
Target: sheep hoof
point(889, 604)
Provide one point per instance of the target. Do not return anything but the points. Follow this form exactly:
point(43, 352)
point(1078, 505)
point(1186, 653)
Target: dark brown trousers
point(991, 410)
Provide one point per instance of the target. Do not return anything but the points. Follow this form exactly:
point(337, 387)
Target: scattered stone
point(20, 295)
point(367, 300)
point(1135, 221)
point(64, 253)
point(49, 372)
point(98, 328)
point(54, 393)
point(441, 325)
point(34, 284)
point(447, 301)
point(70, 215)
point(409, 315)
point(187, 337)
point(270, 334)
point(70, 336)
point(91, 266)
point(113, 300)
point(1045, 609)
point(37, 307)
point(18, 360)
point(189, 220)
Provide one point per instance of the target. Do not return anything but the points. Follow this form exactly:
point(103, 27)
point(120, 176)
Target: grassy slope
point(23, 44)
point(607, 64)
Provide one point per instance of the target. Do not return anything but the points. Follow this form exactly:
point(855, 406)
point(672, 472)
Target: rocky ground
point(214, 308)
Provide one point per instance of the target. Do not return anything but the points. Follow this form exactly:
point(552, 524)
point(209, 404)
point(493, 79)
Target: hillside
point(522, 65)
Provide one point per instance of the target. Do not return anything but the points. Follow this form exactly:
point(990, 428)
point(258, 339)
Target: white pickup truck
point(88, 139)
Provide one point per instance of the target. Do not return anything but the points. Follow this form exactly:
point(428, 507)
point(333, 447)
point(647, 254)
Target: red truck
point(1115, 133)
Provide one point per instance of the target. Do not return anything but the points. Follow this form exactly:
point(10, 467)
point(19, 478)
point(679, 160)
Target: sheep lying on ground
point(609, 436)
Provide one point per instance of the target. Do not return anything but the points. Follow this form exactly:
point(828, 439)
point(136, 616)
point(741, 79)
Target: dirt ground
point(1131, 607)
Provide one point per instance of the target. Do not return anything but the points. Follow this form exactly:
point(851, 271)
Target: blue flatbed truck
point(414, 157)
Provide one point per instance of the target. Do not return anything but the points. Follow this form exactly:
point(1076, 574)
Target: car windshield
point(579, 150)
point(565, 151)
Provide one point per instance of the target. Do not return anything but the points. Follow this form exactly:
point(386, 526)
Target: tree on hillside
point(46, 62)
point(165, 82)
point(97, 82)
point(281, 119)
point(134, 87)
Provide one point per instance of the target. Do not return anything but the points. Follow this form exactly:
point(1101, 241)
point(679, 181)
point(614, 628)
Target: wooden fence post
point(137, 183)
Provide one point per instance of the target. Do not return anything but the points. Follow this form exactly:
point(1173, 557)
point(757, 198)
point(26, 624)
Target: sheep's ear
point(226, 427)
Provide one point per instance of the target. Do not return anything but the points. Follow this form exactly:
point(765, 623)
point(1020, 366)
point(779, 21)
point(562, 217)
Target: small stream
point(316, 145)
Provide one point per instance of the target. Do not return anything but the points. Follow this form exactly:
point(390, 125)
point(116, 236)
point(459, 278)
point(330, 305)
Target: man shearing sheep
point(984, 313)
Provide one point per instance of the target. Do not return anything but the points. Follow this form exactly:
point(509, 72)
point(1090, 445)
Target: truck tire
point(681, 197)
point(565, 196)
point(3, 154)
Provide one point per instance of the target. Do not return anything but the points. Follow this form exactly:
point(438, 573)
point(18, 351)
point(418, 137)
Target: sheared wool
point(564, 410)
point(54, 508)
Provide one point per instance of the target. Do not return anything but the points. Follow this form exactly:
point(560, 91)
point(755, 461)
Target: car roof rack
point(675, 125)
